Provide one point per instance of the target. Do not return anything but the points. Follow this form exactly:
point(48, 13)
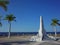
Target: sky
point(28, 14)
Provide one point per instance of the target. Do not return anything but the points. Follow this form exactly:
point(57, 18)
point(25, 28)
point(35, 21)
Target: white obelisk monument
point(41, 33)
point(41, 29)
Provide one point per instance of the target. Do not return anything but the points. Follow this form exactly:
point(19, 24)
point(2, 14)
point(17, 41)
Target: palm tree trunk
point(9, 29)
point(55, 32)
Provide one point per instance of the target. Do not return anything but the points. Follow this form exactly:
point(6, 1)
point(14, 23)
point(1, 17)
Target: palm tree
point(10, 18)
point(4, 3)
point(0, 21)
point(54, 24)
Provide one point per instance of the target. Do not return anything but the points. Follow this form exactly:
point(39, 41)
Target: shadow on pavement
point(16, 42)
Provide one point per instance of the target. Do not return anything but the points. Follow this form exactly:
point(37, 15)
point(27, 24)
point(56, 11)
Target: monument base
point(39, 39)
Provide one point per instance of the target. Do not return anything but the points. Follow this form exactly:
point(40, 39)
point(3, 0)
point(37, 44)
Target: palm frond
point(55, 22)
point(0, 24)
point(10, 17)
point(4, 3)
point(58, 24)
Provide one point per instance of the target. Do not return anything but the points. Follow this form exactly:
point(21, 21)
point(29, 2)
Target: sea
point(23, 33)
